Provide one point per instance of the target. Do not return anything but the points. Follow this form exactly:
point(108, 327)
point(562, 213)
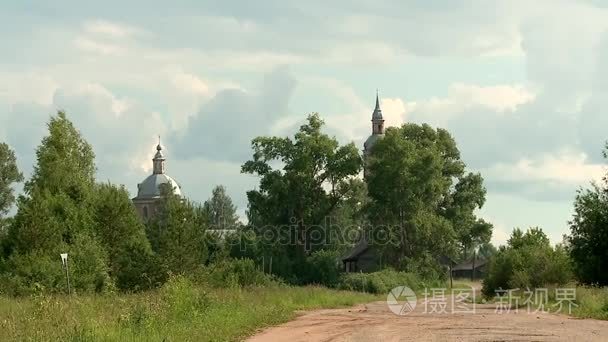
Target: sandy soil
point(375, 322)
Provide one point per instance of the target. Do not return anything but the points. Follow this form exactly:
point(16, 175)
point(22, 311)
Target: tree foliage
point(419, 189)
point(177, 234)
point(302, 181)
point(9, 174)
point(588, 240)
point(528, 261)
point(220, 210)
point(56, 215)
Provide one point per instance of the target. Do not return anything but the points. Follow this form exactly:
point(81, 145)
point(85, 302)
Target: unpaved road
point(375, 322)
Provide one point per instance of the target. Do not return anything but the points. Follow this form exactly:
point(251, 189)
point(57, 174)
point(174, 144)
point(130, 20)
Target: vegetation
point(588, 241)
point(527, 262)
point(179, 311)
point(412, 191)
point(193, 265)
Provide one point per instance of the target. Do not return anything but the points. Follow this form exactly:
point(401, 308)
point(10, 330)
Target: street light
point(64, 263)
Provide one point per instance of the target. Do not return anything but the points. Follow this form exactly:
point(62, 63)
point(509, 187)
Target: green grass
point(592, 302)
point(180, 311)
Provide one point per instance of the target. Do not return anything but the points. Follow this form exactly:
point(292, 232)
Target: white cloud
point(90, 45)
point(564, 167)
point(108, 28)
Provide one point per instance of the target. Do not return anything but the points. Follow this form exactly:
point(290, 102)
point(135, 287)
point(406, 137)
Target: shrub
point(528, 261)
point(237, 273)
point(427, 267)
point(323, 268)
point(379, 282)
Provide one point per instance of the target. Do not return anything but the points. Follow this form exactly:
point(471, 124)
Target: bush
point(528, 261)
point(322, 268)
point(427, 267)
point(379, 282)
point(237, 273)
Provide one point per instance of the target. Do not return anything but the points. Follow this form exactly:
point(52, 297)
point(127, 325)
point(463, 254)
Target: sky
point(521, 85)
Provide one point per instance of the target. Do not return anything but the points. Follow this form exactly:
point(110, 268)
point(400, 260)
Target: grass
point(592, 302)
point(180, 311)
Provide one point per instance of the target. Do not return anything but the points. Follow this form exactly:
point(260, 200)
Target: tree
point(131, 261)
point(588, 240)
point(56, 215)
point(220, 210)
point(306, 187)
point(527, 261)
point(177, 234)
point(9, 174)
point(411, 178)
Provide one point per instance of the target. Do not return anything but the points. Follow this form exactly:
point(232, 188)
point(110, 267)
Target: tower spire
point(377, 119)
point(158, 162)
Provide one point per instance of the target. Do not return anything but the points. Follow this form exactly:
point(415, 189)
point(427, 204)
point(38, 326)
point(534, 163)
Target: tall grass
point(592, 302)
point(180, 311)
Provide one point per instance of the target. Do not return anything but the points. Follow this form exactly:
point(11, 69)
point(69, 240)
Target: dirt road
point(375, 322)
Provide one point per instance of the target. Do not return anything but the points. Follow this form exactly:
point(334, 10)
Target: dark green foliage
point(220, 211)
point(588, 240)
point(381, 282)
point(427, 267)
point(528, 261)
point(323, 267)
point(56, 215)
point(9, 174)
point(299, 196)
point(236, 273)
point(177, 234)
point(132, 263)
point(420, 191)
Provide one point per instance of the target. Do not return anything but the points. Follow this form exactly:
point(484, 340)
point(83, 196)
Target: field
point(180, 311)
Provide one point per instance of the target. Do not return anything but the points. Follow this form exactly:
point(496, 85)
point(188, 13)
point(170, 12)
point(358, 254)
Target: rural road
point(375, 322)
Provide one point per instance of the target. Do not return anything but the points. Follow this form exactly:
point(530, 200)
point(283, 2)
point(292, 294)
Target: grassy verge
point(180, 311)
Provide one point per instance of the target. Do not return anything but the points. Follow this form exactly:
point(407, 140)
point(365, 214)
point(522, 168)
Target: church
point(362, 257)
point(149, 190)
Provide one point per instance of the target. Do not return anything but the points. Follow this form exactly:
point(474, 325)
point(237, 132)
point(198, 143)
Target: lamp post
point(64, 262)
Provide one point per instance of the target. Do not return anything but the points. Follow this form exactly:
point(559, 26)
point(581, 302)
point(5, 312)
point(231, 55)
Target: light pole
point(64, 262)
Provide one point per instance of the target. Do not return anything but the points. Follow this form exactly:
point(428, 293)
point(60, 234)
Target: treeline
point(529, 261)
point(416, 207)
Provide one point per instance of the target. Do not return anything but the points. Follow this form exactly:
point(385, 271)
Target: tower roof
point(377, 114)
point(159, 153)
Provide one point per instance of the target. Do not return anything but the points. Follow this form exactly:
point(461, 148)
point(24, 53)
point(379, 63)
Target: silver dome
point(150, 187)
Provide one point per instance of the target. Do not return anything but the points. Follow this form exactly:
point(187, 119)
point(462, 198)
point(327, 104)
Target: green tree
point(131, 261)
point(588, 240)
point(308, 184)
point(177, 234)
point(9, 174)
point(420, 191)
point(220, 210)
point(527, 261)
point(56, 214)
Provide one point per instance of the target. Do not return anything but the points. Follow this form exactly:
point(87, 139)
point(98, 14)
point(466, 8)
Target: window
point(146, 212)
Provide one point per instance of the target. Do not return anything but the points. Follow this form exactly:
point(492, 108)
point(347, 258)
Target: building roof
point(151, 186)
point(367, 145)
point(468, 265)
point(361, 247)
point(377, 114)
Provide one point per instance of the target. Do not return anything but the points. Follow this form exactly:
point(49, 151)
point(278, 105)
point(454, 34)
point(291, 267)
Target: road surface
point(375, 322)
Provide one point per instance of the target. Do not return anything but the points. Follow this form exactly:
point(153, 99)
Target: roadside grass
point(590, 302)
point(179, 311)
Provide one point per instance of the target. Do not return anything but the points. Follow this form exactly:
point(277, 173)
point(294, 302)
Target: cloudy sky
point(522, 85)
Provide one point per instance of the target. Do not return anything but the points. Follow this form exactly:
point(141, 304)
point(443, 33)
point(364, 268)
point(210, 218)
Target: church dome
point(151, 186)
point(371, 141)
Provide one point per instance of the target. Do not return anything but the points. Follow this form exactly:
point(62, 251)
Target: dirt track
point(374, 322)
